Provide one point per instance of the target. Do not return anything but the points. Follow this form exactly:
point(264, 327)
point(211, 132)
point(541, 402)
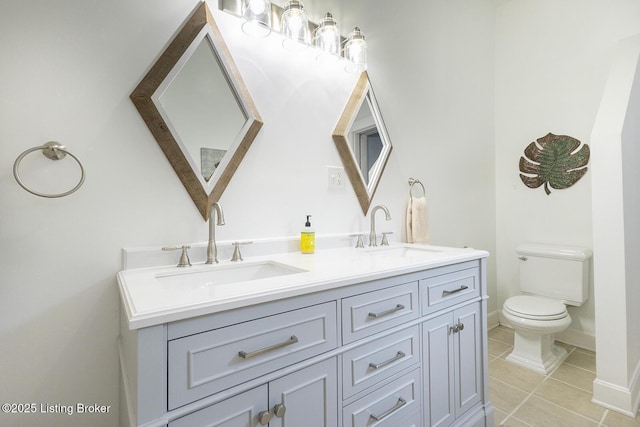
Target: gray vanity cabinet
point(399, 350)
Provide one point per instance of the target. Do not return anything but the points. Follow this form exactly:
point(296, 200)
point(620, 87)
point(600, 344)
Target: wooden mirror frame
point(364, 193)
point(142, 98)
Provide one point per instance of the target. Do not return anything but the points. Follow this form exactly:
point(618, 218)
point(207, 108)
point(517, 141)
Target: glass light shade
point(355, 51)
point(295, 25)
point(327, 38)
point(257, 17)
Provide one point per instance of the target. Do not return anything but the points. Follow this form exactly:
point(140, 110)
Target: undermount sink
point(407, 252)
point(210, 275)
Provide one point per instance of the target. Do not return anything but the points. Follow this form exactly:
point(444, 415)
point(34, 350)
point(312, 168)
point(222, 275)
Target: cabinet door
point(467, 347)
point(438, 367)
point(452, 364)
point(309, 397)
point(238, 411)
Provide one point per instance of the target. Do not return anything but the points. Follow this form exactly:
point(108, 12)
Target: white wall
point(631, 152)
point(431, 66)
point(615, 142)
point(68, 69)
point(552, 62)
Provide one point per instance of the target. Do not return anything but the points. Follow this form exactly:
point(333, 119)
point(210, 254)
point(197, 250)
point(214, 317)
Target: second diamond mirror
point(362, 141)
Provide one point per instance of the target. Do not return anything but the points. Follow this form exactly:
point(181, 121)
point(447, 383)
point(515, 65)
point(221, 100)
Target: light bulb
point(257, 15)
point(355, 51)
point(295, 25)
point(257, 7)
point(327, 38)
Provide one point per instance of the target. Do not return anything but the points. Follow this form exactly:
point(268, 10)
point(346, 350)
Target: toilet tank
point(555, 271)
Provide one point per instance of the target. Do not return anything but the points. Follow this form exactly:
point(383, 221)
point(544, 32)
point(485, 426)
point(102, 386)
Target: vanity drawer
point(388, 406)
point(206, 363)
point(373, 312)
point(442, 291)
point(372, 362)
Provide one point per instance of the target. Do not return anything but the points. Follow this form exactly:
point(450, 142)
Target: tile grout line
point(604, 416)
point(511, 414)
point(570, 385)
point(532, 393)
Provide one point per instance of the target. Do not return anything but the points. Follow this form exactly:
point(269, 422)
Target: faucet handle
point(385, 241)
point(184, 257)
point(237, 256)
point(360, 241)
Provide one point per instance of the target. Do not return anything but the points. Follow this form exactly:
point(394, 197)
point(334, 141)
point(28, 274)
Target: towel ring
point(54, 151)
point(412, 182)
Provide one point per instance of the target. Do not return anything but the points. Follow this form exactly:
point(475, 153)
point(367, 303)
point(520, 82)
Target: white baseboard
point(493, 319)
point(625, 400)
point(577, 338)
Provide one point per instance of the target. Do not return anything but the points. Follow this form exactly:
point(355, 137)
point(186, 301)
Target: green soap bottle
point(307, 238)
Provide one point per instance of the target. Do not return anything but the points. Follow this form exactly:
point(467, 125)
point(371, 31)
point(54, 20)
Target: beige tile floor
point(561, 399)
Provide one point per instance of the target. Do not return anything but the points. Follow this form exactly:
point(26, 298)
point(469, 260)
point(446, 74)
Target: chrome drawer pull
point(388, 312)
point(398, 356)
point(455, 291)
point(245, 355)
point(400, 404)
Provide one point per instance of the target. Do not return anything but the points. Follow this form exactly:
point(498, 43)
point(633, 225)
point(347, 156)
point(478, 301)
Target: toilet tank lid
point(577, 253)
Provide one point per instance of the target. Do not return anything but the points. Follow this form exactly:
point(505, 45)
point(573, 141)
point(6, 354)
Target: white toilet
point(550, 277)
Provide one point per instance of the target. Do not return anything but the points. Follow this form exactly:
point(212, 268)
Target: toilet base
point(536, 352)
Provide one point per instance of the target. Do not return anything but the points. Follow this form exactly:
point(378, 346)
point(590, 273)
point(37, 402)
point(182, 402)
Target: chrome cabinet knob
point(264, 417)
point(456, 328)
point(279, 410)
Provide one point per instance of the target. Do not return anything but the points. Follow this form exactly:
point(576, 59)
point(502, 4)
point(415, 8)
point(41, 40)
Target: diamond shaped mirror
point(198, 108)
point(362, 141)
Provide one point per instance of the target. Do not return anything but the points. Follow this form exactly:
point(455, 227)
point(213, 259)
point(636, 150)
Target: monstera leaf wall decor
point(553, 160)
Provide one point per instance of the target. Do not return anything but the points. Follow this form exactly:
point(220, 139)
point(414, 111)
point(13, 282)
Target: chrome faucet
point(372, 234)
point(212, 250)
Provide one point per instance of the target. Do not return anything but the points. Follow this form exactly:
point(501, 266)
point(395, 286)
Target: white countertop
point(150, 300)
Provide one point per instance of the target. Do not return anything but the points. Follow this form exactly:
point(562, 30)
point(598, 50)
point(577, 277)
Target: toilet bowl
point(535, 321)
point(550, 278)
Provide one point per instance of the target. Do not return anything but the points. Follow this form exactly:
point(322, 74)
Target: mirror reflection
point(199, 110)
point(362, 141)
point(365, 141)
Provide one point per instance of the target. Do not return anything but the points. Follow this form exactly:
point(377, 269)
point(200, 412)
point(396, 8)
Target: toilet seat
point(535, 308)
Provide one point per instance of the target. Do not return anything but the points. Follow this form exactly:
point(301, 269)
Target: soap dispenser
point(307, 238)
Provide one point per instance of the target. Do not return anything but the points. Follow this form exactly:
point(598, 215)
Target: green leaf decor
point(555, 161)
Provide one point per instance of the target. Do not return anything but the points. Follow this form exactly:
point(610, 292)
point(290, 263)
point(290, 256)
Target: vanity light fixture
point(355, 52)
point(257, 17)
point(327, 38)
point(261, 18)
point(295, 25)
